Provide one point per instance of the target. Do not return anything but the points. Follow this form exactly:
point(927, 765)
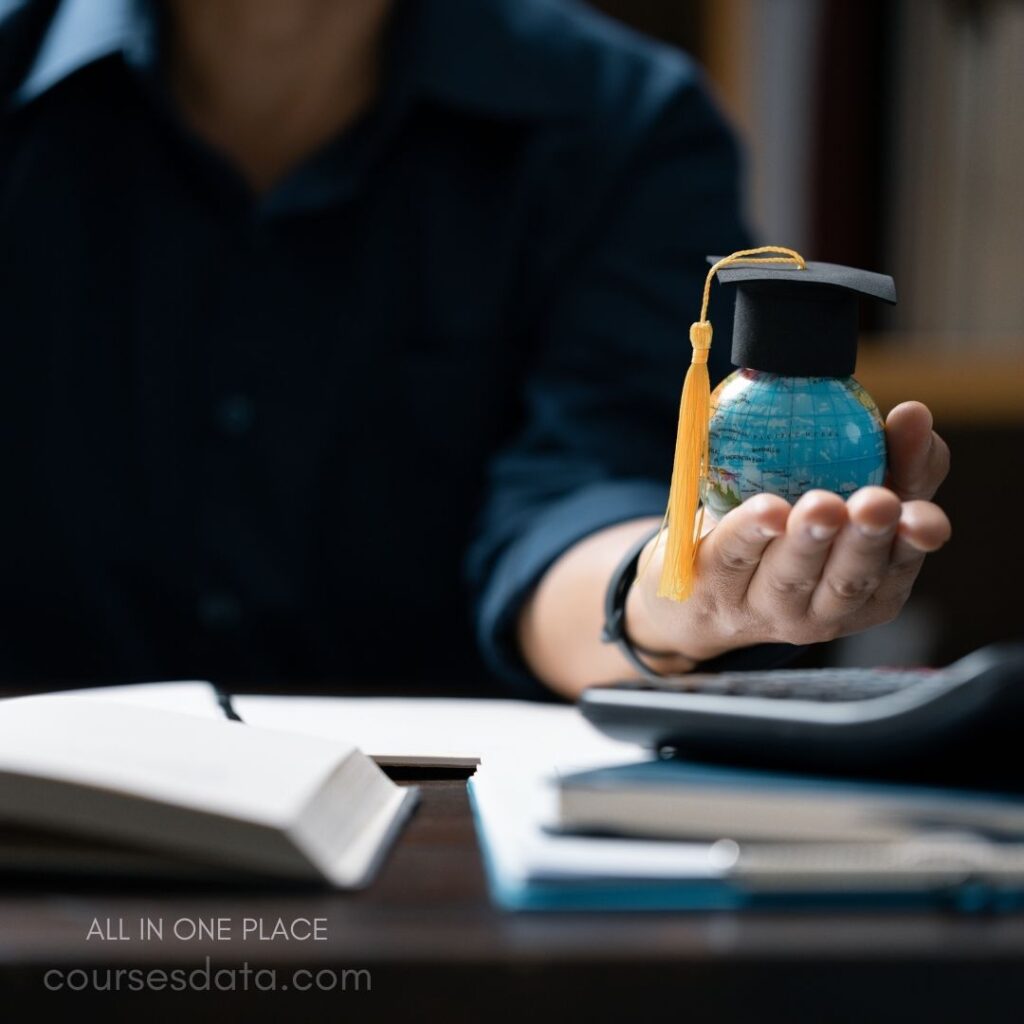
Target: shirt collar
point(483, 56)
point(85, 31)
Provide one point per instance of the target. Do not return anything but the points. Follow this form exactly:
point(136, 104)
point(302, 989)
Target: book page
point(213, 765)
point(189, 697)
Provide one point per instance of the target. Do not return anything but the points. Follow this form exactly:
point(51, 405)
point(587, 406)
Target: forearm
point(560, 626)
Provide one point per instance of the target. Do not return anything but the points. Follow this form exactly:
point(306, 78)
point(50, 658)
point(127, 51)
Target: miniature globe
point(790, 435)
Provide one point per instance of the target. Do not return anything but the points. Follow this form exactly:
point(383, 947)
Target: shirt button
point(219, 611)
point(235, 414)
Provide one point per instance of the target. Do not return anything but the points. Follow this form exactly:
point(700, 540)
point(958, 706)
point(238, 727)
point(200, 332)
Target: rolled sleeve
point(600, 397)
point(551, 533)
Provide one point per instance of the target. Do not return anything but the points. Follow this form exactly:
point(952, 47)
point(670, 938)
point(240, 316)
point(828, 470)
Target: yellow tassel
point(683, 522)
point(688, 470)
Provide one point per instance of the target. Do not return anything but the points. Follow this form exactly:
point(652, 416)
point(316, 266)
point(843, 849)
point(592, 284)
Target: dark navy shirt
point(336, 432)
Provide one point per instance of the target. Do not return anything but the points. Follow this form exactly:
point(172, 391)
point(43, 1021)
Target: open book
point(136, 785)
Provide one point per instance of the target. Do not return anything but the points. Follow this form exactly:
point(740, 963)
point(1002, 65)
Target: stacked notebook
point(671, 835)
point(675, 799)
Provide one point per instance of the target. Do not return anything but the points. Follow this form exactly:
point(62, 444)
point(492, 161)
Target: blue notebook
point(672, 798)
point(530, 865)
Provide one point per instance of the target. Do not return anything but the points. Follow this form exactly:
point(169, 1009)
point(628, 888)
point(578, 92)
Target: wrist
point(666, 631)
point(658, 649)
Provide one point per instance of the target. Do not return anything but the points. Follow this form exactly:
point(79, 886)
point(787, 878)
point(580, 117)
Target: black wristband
point(614, 631)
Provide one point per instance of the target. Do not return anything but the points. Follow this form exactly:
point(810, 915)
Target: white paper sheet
point(419, 731)
point(440, 731)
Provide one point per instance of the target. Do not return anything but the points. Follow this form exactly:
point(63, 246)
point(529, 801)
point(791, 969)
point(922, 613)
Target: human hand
point(813, 571)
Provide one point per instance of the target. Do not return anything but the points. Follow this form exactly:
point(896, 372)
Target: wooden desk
point(437, 950)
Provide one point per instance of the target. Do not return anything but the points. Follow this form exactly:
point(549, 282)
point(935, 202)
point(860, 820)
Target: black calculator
point(963, 724)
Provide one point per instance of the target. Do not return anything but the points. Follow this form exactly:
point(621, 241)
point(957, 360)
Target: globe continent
point(790, 435)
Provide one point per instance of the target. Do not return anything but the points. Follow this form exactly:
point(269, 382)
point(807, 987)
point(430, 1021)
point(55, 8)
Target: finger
point(731, 552)
point(918, 457)
point(859, 559)
point(792, 564)
point(923, 528)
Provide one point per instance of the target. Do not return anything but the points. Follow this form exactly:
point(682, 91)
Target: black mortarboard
point(799, 322)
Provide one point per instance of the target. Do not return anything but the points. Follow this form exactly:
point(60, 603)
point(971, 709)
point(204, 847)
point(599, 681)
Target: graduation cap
point(799, 321)
point(793, 318)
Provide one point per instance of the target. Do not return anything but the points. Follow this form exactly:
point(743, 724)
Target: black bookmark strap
point(226, 705)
